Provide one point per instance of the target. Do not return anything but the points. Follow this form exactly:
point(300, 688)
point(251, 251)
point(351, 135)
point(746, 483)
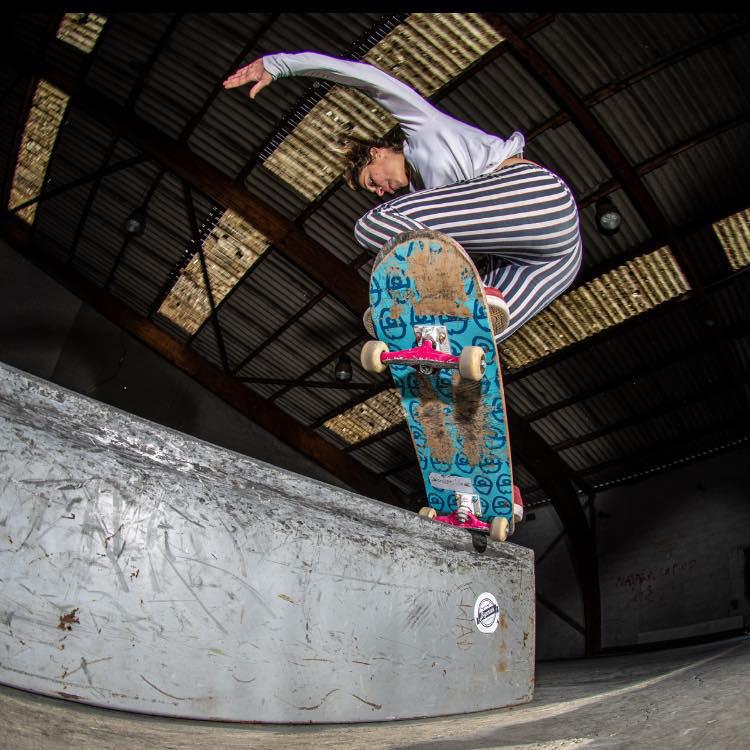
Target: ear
point(374, 153)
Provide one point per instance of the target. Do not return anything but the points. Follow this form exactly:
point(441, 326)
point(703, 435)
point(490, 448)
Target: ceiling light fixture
point(608, 218)
point(343, 371)
point(135, 224)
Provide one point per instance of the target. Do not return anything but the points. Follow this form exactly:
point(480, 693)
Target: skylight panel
point(371, 417)
point(734, 235)
point(426, 51)
point(39, 136)
point(81, 30)
point(629, 290)
point(230, 249)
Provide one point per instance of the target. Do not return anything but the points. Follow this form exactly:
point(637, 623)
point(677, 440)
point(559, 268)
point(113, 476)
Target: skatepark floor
point(690, 697)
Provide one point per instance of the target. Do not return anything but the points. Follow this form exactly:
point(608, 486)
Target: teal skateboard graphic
point(430, 317)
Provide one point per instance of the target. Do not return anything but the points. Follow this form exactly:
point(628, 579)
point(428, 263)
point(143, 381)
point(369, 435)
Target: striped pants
point(523, 217)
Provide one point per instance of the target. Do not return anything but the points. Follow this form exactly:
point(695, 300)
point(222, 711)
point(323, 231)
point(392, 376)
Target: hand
point(252, 72)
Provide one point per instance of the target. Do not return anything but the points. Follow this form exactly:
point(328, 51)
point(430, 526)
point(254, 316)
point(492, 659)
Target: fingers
point(252, 72)
point(262, 83)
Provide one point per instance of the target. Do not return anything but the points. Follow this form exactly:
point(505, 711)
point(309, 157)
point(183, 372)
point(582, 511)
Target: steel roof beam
point(46, 195)
point(658, 160)
point(288, 323)
point(193, 221)
point(630, 377)
point(665, 408)
point(669, 450)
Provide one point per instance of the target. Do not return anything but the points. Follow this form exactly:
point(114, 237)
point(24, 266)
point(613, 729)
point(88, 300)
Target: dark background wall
point(674, 549)
point(674, 559)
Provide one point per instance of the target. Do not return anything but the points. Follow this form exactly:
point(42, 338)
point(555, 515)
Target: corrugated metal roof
point(660, 111)
point(590, 50)
point(332, 225)
point(119, 58)
point(500, 98)
point(388, 452)
point(705, 177)
point(235, 127)
point(274, 192)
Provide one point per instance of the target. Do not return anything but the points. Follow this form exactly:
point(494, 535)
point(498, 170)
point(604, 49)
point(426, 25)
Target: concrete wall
point(674, 559)
point(47, 331)
point(672, 552)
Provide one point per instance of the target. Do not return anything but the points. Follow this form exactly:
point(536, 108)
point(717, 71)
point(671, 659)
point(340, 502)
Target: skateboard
point(430, 317)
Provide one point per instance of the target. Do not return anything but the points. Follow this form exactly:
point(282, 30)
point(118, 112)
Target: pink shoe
point(499, 313)
point(517, 505)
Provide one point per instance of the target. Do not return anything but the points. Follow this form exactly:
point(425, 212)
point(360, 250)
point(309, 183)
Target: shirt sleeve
point(403, 102)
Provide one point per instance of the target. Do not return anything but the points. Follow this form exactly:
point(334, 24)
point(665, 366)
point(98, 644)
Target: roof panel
point(500, 98)
point(580, 46)
point(660, 111)
point(117, 64)
point(703, 179)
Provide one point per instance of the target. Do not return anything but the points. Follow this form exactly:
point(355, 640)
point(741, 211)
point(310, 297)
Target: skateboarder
point(461, 181)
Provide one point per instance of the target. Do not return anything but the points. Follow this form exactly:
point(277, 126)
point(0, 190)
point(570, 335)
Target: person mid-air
point(471, 185)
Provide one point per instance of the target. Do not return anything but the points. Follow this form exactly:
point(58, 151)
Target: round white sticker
point(486, 613)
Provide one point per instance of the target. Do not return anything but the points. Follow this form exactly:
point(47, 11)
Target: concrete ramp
point(146, 570)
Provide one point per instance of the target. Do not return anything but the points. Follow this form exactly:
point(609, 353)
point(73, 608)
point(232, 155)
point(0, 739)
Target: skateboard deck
point(425, 286)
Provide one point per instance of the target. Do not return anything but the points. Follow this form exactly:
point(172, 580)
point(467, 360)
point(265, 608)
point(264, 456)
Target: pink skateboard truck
point(464, 516)
point(432, 352)
point(424, 354)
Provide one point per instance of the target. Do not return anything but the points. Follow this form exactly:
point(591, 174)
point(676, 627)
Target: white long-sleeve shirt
point(439, 148)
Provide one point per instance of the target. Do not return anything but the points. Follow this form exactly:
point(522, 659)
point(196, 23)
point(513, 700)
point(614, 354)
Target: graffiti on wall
point(640, 583)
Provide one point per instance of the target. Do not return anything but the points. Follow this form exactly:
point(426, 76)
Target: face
point(386, 172)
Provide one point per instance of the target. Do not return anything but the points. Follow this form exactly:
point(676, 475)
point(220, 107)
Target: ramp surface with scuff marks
point(146, 570)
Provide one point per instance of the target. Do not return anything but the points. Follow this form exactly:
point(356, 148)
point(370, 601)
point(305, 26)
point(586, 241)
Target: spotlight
point(608, 218)
point(135, 223)
point(343, 371)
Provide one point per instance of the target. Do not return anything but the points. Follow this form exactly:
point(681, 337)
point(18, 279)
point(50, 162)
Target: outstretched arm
point(405, 104)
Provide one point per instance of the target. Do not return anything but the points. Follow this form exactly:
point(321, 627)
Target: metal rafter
point(666, 407)
point(46, 195)
point(193, 222)
point(320, 365)
point(654, 162)
point(298, 383)
point(288, 323)
point(127, 239)
point(666, 451)
point(633, 376)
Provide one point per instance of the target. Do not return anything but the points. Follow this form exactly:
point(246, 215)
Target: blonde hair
point(356, 152)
